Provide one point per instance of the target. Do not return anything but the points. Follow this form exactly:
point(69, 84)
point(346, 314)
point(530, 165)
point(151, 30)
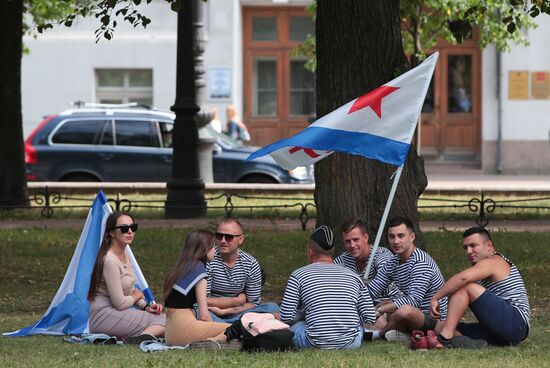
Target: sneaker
point(418, 341)
point(433, 342)
point(136, 340)
point(461, 342)
point(395, 335)
point(465, 342)
point(216, 345)
point(371, 335)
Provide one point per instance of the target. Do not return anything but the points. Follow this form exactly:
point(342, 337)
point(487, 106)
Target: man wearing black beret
point(326, 304)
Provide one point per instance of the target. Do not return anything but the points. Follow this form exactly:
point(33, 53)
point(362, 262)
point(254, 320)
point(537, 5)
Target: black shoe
point(465, 342)
point(136, 340)
point(461, 342)
point(447, 344)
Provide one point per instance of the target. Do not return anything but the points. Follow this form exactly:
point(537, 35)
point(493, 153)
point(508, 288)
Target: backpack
point(261, 332)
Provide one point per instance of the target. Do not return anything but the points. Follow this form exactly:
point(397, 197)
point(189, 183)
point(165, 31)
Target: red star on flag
point(373, 99)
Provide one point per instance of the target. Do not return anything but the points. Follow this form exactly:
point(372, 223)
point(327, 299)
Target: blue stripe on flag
point(70, 315)
point(326, 139)
point(148, 295)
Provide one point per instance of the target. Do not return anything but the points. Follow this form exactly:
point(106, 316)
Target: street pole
point(185, 197)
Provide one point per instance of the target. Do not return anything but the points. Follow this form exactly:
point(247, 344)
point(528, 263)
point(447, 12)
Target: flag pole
point(383, 222)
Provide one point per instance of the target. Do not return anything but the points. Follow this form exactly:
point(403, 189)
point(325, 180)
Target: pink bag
point(259, 323)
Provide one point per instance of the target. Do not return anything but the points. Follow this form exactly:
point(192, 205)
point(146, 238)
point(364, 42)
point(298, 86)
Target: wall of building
point(223, 53)
point(525, 123)
point(60, 67)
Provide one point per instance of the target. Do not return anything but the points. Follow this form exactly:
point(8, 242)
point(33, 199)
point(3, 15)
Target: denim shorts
point(300, 339)
point(499, 322)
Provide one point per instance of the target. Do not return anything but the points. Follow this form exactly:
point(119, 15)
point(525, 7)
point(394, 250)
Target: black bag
point(278, 340)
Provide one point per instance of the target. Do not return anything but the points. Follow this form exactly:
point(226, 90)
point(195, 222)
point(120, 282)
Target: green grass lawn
point(34, 261)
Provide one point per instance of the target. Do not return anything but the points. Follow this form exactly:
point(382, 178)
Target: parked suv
point(107, 143)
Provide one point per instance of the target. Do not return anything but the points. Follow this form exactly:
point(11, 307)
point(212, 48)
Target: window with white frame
point(115, 86)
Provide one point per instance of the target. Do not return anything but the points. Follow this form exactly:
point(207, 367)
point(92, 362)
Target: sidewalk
point(279, 224)
point(508, 184)
point(437, 184)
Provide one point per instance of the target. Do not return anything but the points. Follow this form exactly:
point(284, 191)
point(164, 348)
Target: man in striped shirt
point(358, 251)
point(326, 304)
point(416, 275)
point(493, 289)
point(234, 277)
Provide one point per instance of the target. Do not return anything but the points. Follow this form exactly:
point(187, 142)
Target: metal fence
point(49, 201)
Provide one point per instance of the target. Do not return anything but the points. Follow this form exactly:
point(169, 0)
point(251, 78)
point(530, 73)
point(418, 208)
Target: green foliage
point(41, 13)
point(424, 22)
point(47, 13)
point(308, 47)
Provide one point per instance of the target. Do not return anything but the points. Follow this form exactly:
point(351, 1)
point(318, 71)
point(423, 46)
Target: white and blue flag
point(69, 310)
point(379, 125)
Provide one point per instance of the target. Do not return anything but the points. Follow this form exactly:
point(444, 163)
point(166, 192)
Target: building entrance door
point(451, 115)
point(279, 91)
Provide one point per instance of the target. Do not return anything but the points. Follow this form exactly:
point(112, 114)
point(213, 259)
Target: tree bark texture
point(359, 48)
point(13, 184)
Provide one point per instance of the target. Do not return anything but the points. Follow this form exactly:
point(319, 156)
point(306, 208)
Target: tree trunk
point(359, 48)
point(13, 185)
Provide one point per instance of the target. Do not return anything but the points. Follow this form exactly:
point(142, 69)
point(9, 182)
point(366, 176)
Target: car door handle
point(106, 156)
point(168, 159)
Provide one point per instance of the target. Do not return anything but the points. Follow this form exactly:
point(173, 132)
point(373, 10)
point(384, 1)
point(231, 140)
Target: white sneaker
point(395, 335)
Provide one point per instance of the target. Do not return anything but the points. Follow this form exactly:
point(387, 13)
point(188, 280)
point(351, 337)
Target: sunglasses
point(228, 237)
point(125, 228)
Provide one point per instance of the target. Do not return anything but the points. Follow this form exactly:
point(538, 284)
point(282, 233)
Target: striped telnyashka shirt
point(418, 279)
point(381, 256)
point(245, 276)
point(512, 289)
point(334, 300)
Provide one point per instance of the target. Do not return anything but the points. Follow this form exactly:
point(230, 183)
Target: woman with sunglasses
point(117, 308)
point(185, 286)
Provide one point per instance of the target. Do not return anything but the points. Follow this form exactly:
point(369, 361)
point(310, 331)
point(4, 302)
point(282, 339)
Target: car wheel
point(79, 177)
point(259, 179)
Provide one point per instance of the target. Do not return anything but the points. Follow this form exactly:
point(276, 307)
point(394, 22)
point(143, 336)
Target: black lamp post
point(186, 189)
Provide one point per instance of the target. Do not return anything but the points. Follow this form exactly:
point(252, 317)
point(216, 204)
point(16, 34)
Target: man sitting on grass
point(358, 251)
point(234, 277)
point(416, 275)
point(326, 304)
point(494, 291)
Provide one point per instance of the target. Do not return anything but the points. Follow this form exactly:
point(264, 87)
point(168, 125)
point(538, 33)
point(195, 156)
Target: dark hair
point(353, 223)
point(477, 230)
point(196, 247)
point(396, 221)
point(97, 273)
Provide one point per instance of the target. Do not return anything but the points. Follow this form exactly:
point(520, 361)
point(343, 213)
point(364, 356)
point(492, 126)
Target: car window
point(166, 133)
point(107, 135)
point(140, 133)
point(78, 132)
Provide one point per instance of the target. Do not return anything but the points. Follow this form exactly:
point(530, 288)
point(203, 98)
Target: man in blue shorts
point(494, 291)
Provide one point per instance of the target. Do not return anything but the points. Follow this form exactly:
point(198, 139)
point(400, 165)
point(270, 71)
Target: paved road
point(288, 224)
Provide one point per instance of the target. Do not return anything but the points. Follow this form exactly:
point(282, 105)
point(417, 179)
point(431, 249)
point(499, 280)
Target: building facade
point(486, 112)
